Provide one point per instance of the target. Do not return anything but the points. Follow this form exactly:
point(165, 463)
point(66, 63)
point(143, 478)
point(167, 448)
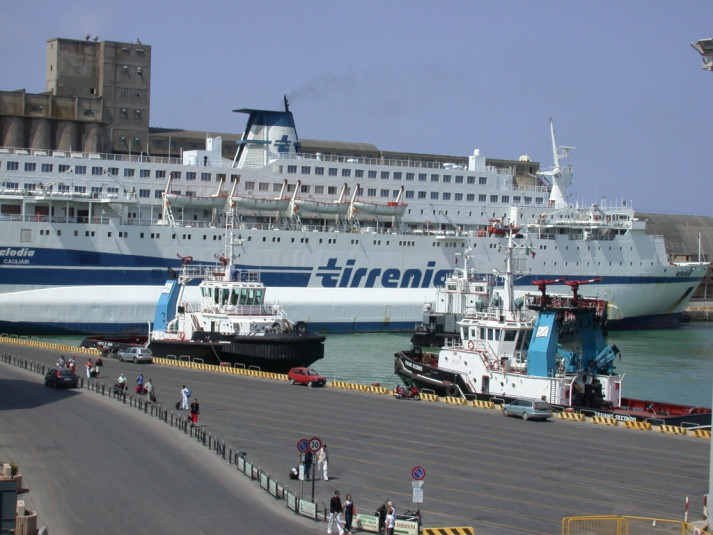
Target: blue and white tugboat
point(552, 348)
point(232, 324)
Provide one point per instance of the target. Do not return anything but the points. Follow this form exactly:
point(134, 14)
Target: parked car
point(135, 354)
point(528, 408)
point(61, 377)
point(306, 376)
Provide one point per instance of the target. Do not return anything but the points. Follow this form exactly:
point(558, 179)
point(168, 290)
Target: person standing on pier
point(323, 462)
point(185, 393)
point(307, 463)
point(195, 411)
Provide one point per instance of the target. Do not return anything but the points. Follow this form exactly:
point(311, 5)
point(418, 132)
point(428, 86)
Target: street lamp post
point(705, 48)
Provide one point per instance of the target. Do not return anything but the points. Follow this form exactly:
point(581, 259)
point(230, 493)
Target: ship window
point(397, 175)
point(145, 173)
point(190, 175)
point(46, 168)
point(482, 180)
point(319, 170)
point(434, 178)
point(332, 171)
point(409, 194)
point(359, 173)
point(30, 166)
point(422, 177)
point(459, 179)
point(128, 172)
point(494, 198)
point(409, 176)
point(421, 194)
point(234, 298)
point(446, 195)
point(509, 335)
point(205, 177)
point(384, 175)
point(470, 197)
point(481, 197)
point(434, 195)
point(372, 174)
point(506, 199)
point(471, 180)
point(292, 169)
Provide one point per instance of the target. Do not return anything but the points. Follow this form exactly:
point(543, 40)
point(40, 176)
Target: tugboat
point(463, 294)
point(506, 353)
point(232, 325)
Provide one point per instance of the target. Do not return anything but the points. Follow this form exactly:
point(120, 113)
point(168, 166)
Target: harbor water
point(668, 365)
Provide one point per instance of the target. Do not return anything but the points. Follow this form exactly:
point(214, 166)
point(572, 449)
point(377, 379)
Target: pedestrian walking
point(89, 367)
point(121, 383)
point(148, 388)
point(98, 366)
point(335, 510)
point(323, 462)
point(185, 394)
point(390, 521)
point(195, 411)
point(349, 513)
point(140, 384)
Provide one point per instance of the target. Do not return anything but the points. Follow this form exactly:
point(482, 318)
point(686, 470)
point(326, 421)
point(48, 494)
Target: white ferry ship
point(346, 243)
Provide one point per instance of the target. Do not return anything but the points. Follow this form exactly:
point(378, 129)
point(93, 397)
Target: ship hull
point(272, 353)
point(347, 287)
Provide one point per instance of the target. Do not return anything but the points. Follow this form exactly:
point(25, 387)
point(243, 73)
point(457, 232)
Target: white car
point(135, 354)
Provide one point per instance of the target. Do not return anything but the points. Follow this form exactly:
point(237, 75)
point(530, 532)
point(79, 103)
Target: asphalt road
point(499, 475)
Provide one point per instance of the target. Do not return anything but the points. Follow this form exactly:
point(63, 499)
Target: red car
point(306, 376)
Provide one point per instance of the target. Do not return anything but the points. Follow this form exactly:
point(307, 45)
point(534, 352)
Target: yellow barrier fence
point(630, 525)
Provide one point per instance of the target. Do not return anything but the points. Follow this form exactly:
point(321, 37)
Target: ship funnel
point(268, 136)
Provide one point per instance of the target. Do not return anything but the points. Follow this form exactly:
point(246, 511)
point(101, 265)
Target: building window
point(124, 112)
point(137, 113)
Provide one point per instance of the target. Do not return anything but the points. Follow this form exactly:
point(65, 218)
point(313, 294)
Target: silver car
point(135, 354)
point(528, 408)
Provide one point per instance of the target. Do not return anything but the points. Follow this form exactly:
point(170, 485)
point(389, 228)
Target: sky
point(619, 79)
